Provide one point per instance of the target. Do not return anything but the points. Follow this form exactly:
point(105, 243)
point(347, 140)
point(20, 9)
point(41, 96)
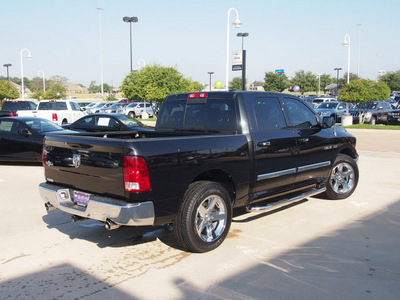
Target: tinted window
point(85, 122)
point(267, 114)
point(52, 106)
point(299, 114)
point(75, 106)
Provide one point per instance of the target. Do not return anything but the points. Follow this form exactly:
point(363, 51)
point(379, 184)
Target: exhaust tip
point(110, 225)
point(49, 207)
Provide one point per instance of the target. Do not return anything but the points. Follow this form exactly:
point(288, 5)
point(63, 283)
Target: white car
point(136, 109)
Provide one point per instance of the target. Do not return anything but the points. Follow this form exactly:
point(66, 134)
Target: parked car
point(16, 105)
point(374, 112)
point(105, 122)
point(136, 109)
point(22, 138)
point(333, 109)
point(96, 107)
point(112, 108)
point(124, 101)
point(317, 101)
point(394, 117)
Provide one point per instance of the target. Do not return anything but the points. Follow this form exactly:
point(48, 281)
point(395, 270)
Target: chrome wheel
point(211, 218)
point(342, 178)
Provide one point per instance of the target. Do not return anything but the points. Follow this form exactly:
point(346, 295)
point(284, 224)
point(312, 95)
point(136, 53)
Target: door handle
point(264, 144)
point(303, 140)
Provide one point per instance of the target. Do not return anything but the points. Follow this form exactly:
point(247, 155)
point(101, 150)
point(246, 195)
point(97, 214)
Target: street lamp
point(101, 53)
point(22, 71)
point(7, 66)
point(44, 85)
point(359, 48)
point(346, 43)
point(130, 20)
point(141, 60)
point(243, 35)
point(319, 83)
point(337, 79)
point(210, 73)
point(237, 25)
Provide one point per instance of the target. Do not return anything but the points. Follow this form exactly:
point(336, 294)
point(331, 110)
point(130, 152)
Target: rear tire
point(204, 217)
point(343, 179)
point(131, 114)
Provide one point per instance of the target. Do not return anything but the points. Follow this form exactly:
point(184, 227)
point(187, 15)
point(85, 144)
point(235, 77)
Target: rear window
point(210, 115)
point(18, 105)
point(52, 106)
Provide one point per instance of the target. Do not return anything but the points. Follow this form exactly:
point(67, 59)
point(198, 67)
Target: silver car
point(136, 109)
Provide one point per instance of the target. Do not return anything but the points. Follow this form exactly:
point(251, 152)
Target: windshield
point(367, 105)
point(128, 121)
point(43, 125)
point(328, 105)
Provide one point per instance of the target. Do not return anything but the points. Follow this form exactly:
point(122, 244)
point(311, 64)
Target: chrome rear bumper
point(98, 208)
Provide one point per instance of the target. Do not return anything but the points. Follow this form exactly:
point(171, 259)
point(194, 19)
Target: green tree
point(154, 82)
point(274, 82)
point(392, 79)
point(326, 80)
point(7, 91)
point(364, 91)
point(307, 81)
point(56, 91)
point(235, 84)
point(93, 88)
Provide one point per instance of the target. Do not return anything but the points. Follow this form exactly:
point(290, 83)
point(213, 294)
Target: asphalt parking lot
point(318, 249)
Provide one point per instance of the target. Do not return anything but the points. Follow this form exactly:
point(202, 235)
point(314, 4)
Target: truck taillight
point(13, 115)
point(55, 117)
point(136, 174)
point(198, 95)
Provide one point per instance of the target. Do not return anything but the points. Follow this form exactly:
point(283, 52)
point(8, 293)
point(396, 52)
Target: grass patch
point(369, 126)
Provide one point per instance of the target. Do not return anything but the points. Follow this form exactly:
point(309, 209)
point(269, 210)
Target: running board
point(284, 202)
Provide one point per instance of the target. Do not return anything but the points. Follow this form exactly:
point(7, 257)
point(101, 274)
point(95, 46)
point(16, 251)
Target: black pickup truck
point(209, 153)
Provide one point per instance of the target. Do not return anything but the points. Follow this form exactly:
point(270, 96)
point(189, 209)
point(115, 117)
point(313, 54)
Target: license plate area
point(81, 199)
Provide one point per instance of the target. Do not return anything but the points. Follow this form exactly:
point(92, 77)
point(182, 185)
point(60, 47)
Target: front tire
point(343, 179)
point(204, 217)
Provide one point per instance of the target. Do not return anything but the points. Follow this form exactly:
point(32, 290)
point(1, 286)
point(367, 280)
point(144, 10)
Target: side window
point(6, 125)
point(268, 114)
point(75, 106)
point(86, 122)
point(299, 114)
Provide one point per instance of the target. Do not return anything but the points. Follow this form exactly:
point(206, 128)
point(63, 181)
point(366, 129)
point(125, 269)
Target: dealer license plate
point(81, 199)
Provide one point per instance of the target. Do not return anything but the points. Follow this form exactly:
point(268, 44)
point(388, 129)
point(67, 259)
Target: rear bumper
point(99, 207)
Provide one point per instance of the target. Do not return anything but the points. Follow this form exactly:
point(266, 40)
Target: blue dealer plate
point(81, 199)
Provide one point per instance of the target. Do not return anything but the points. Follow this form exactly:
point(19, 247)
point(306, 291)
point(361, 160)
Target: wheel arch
point(349, 152)
point(221, 176)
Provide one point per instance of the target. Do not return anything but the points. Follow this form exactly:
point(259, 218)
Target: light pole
point(141, 60)
point(337, 79)
point(22, 71)
point(101, 54)
point(130, 20)
point(237, 25)
point(346, 43)
point(319, 83)
point(44, 85)
point(210, 73)
point(243, 35)
point(359, 49)
point(7, 66)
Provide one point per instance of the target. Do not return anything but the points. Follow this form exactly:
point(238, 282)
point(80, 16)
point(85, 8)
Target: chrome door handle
point(303, 140)
point(264, 144)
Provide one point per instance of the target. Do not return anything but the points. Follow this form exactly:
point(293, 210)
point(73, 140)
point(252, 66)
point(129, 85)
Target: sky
point(63, 37)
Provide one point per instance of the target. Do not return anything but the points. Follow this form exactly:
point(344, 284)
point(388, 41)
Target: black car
point(105, 122)
point(374, 112)
point(21, 138)
point(394, 117)
point(15, 105)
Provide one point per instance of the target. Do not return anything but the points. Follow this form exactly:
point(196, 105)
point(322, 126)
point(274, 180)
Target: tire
point(65, 121)
point(132, 114)
point(343, 178)
point(204, 217)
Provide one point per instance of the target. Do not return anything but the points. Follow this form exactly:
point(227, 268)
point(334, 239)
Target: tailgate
point(91, 164)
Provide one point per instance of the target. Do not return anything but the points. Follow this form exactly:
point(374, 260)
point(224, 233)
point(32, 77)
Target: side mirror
point(117, 126)
point(328, 122)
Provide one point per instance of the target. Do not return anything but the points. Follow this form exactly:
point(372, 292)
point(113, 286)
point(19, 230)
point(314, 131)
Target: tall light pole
point(319, 83)
point(243, 35)
point(130, 20)
point(101, 54)
point(237, 24)
point(22, 71)
point(210, 73)
point(337, 79)
point(141, 60)
point(359, 48)
point(44, 84)
point(7, 66)
point(346, 43)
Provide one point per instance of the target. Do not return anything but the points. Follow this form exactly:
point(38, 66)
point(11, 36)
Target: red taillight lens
point(136, 174)
point(198, 95)
point(13, 115)
point(55, 117)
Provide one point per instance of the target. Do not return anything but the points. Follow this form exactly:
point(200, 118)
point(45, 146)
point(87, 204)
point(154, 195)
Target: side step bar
point(284, 202)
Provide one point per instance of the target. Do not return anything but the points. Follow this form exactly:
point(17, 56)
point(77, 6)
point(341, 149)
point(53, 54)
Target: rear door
point(274, 145)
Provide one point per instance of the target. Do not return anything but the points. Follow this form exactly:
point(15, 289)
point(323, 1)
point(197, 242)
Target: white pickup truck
point(58, 111)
